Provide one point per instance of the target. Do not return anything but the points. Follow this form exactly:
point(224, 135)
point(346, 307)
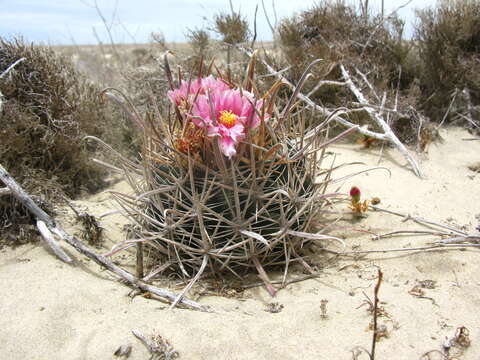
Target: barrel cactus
point(228, 184)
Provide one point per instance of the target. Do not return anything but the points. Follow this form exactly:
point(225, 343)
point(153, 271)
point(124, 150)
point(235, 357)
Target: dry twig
point(5, 191)
point(375, 314)
point(54, 227)
point(457, 239)
point(374, 310)
point(388, 134)
point(7, 70)
point(159, 348)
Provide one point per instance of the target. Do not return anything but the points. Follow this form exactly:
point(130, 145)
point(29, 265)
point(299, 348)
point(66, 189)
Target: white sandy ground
point(50, 310)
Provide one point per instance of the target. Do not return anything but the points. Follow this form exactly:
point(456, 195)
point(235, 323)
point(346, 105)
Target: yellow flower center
point(227, 118)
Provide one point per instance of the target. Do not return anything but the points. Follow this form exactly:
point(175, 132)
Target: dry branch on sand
point(375, 313)
point(377, 118)
point(159, 347)
point(451, 237)
point(48, 225)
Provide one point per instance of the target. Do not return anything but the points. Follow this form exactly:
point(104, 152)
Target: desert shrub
point(233, 27)
point(158, 38)
point(146, 87)
point(199, 40)
point(17, 222)
point(141, 56)
point(201, 46)
point(448, 38)
point(339, 33)
point(48, 108)
point(311, 34)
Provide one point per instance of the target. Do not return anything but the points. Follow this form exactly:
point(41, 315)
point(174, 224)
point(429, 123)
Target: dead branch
point(420, 248)
point(54, 227)
point(51, 242)
point(457, 239)
point(324, 111)
point(373, 308)
point(325, 83)
point(158, 347)
point(420, 220)
point(272, 28)
point(377, 118)
point(254, 38)
point(376, 237)
point(125, 275)
point(472, 239)
point(8, 69)
point(5, 191)
point(387, 135)
point(375, 313)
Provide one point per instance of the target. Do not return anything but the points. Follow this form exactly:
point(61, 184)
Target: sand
point(50, 310)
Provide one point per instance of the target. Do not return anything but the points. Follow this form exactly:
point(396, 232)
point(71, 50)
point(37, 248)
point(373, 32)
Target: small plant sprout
point(356, 204)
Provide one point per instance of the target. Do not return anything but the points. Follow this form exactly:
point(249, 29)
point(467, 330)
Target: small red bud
point(355, 193)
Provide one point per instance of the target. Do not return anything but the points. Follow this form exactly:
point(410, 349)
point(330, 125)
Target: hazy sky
point(67, 21)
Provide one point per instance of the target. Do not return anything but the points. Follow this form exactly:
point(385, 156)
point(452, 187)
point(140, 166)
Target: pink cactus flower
point(224, 112)
point(199, 86)
point(241, 104)
point(230, 131)
point(211, 84)
point(235, 111)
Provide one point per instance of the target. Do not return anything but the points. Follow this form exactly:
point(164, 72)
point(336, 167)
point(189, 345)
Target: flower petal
point(227, 146)
point(236, 132)
point(213, 130)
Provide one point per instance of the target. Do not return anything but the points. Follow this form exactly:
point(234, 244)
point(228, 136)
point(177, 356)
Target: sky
point(58, 22)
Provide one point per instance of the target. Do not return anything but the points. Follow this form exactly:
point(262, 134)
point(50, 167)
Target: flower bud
point(355, 194)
